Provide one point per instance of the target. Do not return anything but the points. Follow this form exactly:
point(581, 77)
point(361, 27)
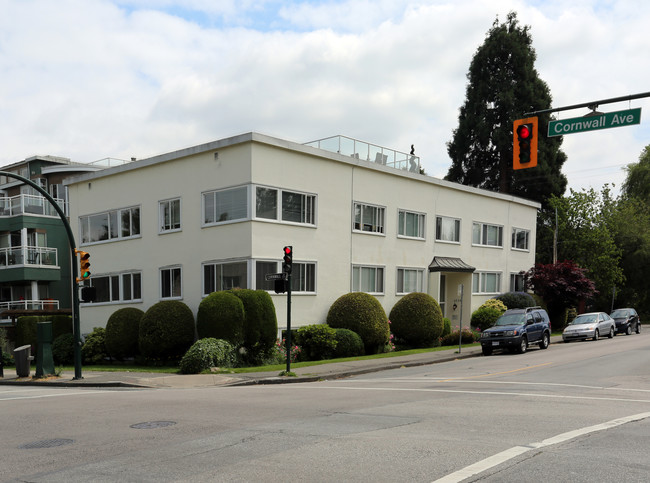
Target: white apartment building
point(359, 217)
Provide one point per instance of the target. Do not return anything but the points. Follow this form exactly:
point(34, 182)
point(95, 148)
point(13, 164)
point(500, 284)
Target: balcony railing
point(369, 152)
point(28, 256)
point(29, 205)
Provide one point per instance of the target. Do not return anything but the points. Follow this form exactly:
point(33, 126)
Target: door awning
point(449, 264)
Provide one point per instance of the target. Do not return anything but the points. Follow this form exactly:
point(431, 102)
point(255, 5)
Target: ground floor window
point(486, 282)
point(368, 279)
point(119, 287)
point(516, 282)
point(409, 280)
point(171, 283)
point(303, 276)
point(219, 276)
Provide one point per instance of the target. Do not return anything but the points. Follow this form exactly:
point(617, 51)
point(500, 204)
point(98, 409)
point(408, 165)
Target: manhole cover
point(47, 443)
point(153, 424)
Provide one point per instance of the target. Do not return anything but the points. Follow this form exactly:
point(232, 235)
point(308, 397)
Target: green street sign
point(592, 123)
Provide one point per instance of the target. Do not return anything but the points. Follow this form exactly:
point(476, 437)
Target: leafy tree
point(561, 285)
point(637, 183)
point(503, 86)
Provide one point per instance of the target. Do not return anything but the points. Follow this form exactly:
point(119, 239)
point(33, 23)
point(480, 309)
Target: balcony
point(368, 152)
point(29, 205)
point(29, 305)
point(27, 256)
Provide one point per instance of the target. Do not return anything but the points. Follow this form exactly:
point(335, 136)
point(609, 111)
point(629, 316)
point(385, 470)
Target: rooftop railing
point(29, 205)
point(368, 152)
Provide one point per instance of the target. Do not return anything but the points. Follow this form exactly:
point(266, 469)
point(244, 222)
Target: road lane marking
point(499, 458)
point(497, 373)
point(40, 396)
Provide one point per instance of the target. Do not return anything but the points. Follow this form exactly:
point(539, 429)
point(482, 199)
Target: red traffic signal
point(287, 260)
point(524, 143)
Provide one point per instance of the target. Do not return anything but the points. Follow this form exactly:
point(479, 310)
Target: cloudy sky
point(90, 79)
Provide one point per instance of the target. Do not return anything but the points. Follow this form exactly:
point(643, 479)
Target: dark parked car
point(627, 320)
point(516, 329)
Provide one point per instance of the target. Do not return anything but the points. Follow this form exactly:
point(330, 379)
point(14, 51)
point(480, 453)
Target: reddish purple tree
point(561, 285)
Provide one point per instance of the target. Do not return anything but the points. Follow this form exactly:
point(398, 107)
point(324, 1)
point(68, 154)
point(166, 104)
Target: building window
point(409, 280)
point(520, 238)
point(486, 282)
point(225, 205)
point(516, 282)
point(171, 283)
point(224, 276)
point(487, 235)
point(122, 287)
point(111, 225)
point(369, 218)
point(294, 207)
point(447, 229)
point(170, 215)
point(410, 224)
point(368, 279)
point(303, 276)
point(266, 203)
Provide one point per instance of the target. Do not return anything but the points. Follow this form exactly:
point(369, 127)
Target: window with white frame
point(516, 282)
point(303, 276)
point(369, 218)
point(367, 279)
point(225, 205)
point(447, 229)
point(520, 238)
point(293, 207)
point(219, 276)
point(119, 287)
point(410, 224)
point(487, 235)
point(170, 215)
point(409, 280)
point(486, 282)
point(171, 283)
point(111, 225)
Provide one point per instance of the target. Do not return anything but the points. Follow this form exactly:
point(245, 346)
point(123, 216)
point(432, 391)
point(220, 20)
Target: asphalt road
point(573, 412)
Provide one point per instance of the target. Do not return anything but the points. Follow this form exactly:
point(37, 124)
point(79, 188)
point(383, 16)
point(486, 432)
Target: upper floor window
point(367, 279)
point(171, 286)
point(488, 235)
point(293, 207)
point(447, 229)
point(486, 282)
point(303, 276)
point(410, 224)
point(170, 215)
point(369, 218)
point(225, 205)
point(219, 276)
point(121, 287)
point(520, 238)
point(110, 225)
point(409, 280)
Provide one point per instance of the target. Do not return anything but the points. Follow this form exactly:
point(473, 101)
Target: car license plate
point(495, 342)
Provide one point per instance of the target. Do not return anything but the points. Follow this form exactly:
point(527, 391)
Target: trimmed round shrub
point(416, 320)
point(207, 353)
point(94, 349)
point(348, 344)
point(494, 303)
point(485, 317)
point(446, 329)
point(260, 323)
point(517, 300)
point(166, 330)
point(221, 316)
point(63, 349)
point(361, 313)
point(122, 330)
point(317, 342)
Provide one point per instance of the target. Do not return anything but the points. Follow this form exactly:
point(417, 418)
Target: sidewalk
point(334, 370)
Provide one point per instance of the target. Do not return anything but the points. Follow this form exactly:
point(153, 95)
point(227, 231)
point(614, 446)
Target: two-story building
point(360, 217)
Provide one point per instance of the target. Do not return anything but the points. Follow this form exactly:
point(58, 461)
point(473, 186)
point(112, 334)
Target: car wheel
point(487, 351)
point(628, 330)
point(523, 346)
point(544, 343)
point(638, 328)
point(596, 334)
point(611, 333)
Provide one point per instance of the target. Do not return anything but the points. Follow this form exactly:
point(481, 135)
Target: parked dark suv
point(516, 329)
point(627, 320)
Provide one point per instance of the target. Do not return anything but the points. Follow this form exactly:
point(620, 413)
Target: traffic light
point(84, 265)
point(287, 261)
point(524, 143)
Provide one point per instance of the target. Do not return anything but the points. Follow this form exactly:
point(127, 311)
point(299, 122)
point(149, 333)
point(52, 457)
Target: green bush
point(221, 316)
point(361, 313)
point(94, 349)
point(516, 300)
point(207, 353)
point(348, 344)
point(317, 342)
point(446, 330)
point(416, 320)
point(494, 303)
point(122, 330)
point(63, 349)
point(26, 331)
point(485, 317)
point(7, 360)
point(260, 324)
point(166, 330)
point(468, 337)
point(61, 324)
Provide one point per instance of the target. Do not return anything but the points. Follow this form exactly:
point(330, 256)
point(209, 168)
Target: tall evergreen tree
point(503, 86)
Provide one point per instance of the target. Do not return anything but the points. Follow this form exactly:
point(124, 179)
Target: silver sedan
point(590, 326)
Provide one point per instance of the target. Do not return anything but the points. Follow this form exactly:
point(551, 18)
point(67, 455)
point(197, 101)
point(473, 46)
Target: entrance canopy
point(449, 264)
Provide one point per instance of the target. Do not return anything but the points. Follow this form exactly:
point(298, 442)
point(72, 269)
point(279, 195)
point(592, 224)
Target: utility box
point(23, 357)
point(44, 359)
